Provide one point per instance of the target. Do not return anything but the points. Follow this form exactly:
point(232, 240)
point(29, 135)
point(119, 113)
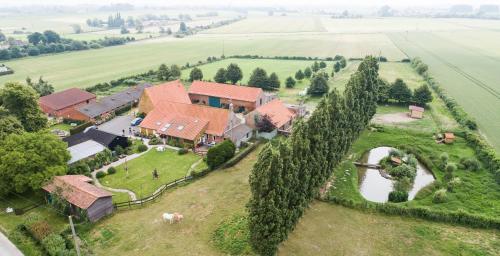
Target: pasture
point(324, 229)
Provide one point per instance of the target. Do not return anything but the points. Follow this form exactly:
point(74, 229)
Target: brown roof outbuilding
point(67, 98)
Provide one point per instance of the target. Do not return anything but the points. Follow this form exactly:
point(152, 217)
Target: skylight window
point(180, 127)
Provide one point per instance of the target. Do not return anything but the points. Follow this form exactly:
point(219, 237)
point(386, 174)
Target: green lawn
point(169, 164)
point(327, 229)
point(478, 193)
point(61, 126)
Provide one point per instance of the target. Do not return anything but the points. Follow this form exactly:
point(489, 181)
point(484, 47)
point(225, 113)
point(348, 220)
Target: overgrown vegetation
point(232, 236)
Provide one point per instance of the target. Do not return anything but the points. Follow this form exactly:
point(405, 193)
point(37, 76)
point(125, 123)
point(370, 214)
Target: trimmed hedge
point(233, 161)
point(484, 151)
point(220, 153)
point(456, 217)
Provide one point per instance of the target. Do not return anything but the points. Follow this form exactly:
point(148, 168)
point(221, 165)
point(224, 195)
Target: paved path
point(7, 247)
point(193, 166)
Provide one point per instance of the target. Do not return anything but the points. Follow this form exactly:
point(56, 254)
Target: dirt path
point(393, 118)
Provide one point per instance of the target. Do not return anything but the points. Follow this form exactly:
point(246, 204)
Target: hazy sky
point(258, 2)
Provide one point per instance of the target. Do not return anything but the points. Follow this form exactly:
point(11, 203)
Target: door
point(214, 102)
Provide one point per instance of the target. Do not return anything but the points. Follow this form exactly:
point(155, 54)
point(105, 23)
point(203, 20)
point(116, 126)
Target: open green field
point(169, 164)
point(468, 72)
point(327, 229)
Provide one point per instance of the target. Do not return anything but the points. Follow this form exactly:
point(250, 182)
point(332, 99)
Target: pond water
point(374, 187)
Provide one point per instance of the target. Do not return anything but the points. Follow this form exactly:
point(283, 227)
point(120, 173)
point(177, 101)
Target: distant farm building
point(243, 98)
point(172, 91)
point(106, 107)
point(64, 104)
point(84, 198)
point(416, 112)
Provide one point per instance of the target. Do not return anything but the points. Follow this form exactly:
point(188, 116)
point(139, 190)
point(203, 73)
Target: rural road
point(7, 248)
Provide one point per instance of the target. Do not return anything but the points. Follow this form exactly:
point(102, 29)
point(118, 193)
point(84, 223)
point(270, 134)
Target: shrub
point(497, 176)
point(155, 141)
point(119, 150)
point(100, 174)
point(142, 148)
point(55, 245)
point(471, 164)
point(398, 196)
point(182, 151)
point(232, 236)
point(220, 153)
point(80, 167)
point(452, 184)
point(440, 196)
point(111, 170)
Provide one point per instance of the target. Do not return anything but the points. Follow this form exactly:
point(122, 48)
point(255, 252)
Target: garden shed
point(84, 198)
point(416, 112)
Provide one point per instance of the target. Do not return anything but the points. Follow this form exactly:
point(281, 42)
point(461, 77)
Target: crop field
point(468, 73)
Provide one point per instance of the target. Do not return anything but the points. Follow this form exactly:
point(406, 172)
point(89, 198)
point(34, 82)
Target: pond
point(376, 188)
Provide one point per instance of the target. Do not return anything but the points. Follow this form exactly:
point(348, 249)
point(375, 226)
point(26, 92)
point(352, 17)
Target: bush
point(497, 176)
point(232, 236)
point(55, 245)
point(142, 148)
point(398, 196)
point(39, 230)
point(220, 153)
point(452, 184)
point(111, 170)
point(80, 167)
point(155, 141)
point(471, 164)
point(100, 174)
point(182, 151)
point(440, 196)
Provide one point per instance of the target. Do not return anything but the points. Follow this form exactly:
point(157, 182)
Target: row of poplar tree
point(290, 172)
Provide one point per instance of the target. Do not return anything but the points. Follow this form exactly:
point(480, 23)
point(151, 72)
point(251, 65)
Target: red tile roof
point(235, 92)
point(277, 111)
point(164, 111)
point(183, 127)
point(172, 91)
point(77, 190)
point(66, 98)
point(449, 135)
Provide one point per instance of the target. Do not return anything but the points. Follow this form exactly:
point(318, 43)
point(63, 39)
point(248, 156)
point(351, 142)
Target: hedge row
point(455, 217)
point(458, 113)
point(220, 153)
point(233, 161)
point(484, 151)
point(80, 128)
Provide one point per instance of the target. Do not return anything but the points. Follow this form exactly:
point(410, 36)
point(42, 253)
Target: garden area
point(170, 165)
point(463, 183)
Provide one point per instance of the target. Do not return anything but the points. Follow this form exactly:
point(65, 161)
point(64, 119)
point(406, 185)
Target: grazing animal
point(168, 217)
point(178, 217)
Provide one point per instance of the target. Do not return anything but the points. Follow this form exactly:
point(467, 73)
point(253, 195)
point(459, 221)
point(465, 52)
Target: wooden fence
point(193, 176)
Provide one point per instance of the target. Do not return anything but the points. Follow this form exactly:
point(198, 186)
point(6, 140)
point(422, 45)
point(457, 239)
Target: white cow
point(172, 217)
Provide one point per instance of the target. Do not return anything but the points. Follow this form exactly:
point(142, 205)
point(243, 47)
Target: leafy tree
point(139, 26)
point(308, 72)
point(220, 76)
point(9, 124)
point(422, 95)
point(290, 82)
point(124, 30)
point(42, 87)
point(77, 29)
point(51, 37)
point(315, 67)
point(383, 91)
point(183, 28)
point(264, 123)
point(196, 74)
point(233, 73)
point(36, 38)
point(400, 92)
point(22, 102)
point(336, 67)
point(322, 64)
point(319, 85)
point(299, 75)
point(274, 81)
point(175, 71)
point(130, 22)
point(163, 73)
point(2, 37)
point(220, 153)
point(259, 78)
point(29, 160)
point(5, 54)
point(343, 62)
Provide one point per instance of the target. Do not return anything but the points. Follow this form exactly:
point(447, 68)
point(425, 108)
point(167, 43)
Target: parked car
point(136, 121)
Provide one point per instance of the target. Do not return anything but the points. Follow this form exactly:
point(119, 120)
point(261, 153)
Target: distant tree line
point(289, 172)
point(400, 92)
point(51, 42)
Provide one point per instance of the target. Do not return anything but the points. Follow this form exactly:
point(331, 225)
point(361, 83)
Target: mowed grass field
point(324, 230)
point(469, 73)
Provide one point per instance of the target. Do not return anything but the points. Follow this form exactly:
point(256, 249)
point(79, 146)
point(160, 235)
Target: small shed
point(416, 112)
point(449, 137)
point(82, 196)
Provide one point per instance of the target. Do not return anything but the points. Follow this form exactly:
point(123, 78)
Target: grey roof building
point(113, 102)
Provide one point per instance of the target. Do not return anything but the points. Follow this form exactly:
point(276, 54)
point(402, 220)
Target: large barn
point(82, 196)
point(64, 104)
